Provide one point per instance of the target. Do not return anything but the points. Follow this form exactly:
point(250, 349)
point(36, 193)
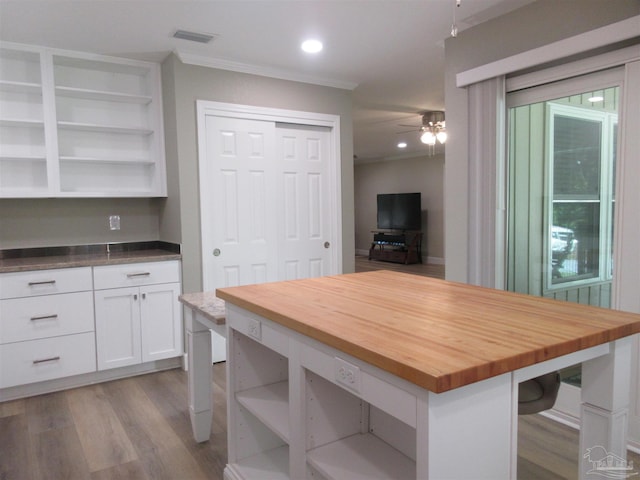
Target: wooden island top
point(436, 334)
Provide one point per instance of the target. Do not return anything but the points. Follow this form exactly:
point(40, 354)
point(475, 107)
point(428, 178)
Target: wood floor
point(139, 428)
point(136, 428)
point(363, 264)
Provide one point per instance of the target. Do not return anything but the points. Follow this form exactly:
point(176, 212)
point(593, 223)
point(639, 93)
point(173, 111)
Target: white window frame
point(606, 195)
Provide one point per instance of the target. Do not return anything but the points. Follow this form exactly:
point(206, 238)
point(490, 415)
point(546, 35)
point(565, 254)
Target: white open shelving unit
point(291, 417)
point(79, 125)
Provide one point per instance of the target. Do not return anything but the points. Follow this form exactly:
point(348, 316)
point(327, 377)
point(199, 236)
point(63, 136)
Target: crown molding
point(264, 71)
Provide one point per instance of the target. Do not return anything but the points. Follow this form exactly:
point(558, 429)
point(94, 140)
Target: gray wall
point(534, 25)
point(420, 174)
point(64, 221)
point(183, 85)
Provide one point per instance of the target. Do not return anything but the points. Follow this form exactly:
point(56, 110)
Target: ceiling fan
point(432, 128)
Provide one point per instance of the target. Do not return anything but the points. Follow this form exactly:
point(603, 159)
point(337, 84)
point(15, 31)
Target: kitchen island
point(389, 375)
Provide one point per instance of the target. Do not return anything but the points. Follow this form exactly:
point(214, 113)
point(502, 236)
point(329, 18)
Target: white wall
point(534, 25)
point(421, 174)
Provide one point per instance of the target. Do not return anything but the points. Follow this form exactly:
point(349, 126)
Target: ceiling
point(390, 52)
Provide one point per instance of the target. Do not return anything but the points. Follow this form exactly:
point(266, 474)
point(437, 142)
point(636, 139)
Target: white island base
point(394, 376)
point(299, 409)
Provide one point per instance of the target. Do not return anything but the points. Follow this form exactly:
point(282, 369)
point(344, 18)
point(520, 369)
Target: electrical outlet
point(114, 222)
point(347, 374)
point(254, 329)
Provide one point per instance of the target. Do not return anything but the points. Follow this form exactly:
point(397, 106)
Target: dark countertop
point(86, 256)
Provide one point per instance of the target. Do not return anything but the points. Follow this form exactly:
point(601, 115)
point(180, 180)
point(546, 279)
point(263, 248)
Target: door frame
point(251, 112)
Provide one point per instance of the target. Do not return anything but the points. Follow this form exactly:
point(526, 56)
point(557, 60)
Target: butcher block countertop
point(436, 334)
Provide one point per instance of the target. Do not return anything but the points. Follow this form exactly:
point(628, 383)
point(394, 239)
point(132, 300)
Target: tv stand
point(398, 247)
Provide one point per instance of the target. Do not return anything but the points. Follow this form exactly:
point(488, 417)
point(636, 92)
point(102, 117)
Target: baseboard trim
point(435, 261)
point(427, 260)
point(562, 418)
point(66, 383)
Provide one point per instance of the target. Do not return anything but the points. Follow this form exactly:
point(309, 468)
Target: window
point(561, 187)
point(580, 181)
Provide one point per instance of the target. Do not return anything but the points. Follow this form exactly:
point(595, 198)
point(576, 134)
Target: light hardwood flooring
point(363, 264)
point(139, 428)
point(135, 428)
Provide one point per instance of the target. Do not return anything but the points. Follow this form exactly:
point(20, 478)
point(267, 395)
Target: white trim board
point(261, 70)
point(607, 35)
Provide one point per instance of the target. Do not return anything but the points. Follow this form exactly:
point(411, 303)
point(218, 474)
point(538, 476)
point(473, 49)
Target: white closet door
point(270, 207)
point(303, 160)
point(240, 156)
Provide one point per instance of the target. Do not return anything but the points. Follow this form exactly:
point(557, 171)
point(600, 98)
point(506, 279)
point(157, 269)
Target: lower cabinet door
point(118, 327)
point(161, 320)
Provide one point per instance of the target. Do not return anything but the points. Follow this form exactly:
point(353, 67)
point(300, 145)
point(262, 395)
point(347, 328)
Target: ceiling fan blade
point(408, 131)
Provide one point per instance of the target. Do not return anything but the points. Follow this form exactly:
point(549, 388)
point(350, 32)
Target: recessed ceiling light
point(596, 98)
point(311, 46)
point(402, 145)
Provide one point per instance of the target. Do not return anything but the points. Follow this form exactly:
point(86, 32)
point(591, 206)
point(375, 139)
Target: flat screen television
point(399, 211)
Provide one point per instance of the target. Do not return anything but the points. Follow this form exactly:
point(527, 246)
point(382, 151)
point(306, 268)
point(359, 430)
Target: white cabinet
point(299, 409)
point(138, 317)
point(46, 325)
point(79, 125)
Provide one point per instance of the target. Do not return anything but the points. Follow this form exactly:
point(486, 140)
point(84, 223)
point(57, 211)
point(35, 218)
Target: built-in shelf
point(20, 122)
point(20, 87)
point(270, 404)
point(102, 95)
point(361, 457)
point(23, 158)
point(132, 161)
point(272, 464)
point(95, 121)
point(340, 432)
point(88, 127)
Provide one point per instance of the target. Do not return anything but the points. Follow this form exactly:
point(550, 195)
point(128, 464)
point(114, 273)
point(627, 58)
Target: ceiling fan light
point(441, 136)
point(428, 138)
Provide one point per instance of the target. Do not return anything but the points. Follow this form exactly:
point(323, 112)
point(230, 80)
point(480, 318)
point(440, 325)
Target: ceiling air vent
point(193, 36)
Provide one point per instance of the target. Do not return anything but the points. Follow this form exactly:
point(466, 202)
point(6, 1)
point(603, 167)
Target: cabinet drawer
point(46, 359)
point(117, 276)
point(45, 282)
point(46, 316)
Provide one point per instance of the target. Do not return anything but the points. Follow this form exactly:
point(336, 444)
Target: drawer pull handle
point(52, 359)
point(141, 274)
point(43, 282)
point(44, 317)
